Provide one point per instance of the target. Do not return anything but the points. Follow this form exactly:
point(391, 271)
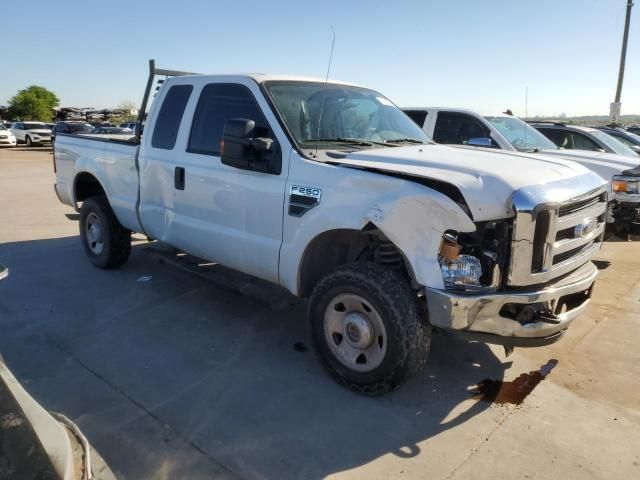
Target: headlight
point(622, 186)
point(464, 271)
point(468, 267)
point(457, 270)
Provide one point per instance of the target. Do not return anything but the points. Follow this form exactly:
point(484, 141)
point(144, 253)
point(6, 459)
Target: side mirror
point(479, 142)
point(242, 148)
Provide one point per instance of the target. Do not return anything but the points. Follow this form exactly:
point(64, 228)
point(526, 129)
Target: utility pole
point(614, 112)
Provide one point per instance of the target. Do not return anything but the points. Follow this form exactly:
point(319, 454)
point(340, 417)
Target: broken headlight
point(474, 261)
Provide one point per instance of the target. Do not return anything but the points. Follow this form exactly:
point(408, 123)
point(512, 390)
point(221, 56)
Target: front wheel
point(105, 241)
point(368, 327)
point(29, 142)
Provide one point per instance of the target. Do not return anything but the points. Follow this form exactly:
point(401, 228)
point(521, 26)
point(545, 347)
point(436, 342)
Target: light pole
point(614, 112)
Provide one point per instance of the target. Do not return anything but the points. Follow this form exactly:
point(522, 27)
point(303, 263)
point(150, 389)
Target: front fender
point(415, 221)
point(411, 215)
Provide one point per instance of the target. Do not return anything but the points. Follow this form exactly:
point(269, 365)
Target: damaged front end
point(475, 261)
point(522, 281)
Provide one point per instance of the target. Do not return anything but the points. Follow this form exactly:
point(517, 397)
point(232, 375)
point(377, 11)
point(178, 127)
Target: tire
point(28, 141)
point(386, 298)
point(105, 241)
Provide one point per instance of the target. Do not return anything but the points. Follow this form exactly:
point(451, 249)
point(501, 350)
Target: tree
point(33, 103)
point(130, 111)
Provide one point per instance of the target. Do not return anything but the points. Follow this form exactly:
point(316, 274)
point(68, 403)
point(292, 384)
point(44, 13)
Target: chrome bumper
point(483, 315)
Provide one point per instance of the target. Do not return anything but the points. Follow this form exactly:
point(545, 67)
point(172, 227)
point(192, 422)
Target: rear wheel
point(106, 242)
point(368, 327)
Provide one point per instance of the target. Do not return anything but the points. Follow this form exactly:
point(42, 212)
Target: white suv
point(31, 133)
point(7, 139)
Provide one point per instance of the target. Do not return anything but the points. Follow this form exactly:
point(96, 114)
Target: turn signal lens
point(449, 249)
point(619, 186)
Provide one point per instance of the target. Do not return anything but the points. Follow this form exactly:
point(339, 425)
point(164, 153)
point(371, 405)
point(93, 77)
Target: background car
point(7, 139)
point(31, 133)
point(576, 137)
point(131, 125)
point(112, 131)
point(631, 140)
point(70, 128)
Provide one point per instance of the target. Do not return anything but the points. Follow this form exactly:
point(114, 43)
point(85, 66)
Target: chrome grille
point(552, 236)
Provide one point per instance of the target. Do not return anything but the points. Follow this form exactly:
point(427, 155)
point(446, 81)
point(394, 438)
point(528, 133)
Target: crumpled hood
point(604, 164)
point(486, 178)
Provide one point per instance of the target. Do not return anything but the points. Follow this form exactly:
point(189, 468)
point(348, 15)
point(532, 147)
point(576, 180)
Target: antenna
point(526, 112)
point(326, 80)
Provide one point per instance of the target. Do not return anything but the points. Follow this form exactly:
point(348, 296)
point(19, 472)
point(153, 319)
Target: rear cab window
point(165, 131)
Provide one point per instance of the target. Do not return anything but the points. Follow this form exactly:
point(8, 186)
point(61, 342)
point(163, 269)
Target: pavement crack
point(482, 442)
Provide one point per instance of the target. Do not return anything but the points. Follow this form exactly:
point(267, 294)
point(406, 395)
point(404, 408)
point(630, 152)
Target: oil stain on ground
point(514, 392)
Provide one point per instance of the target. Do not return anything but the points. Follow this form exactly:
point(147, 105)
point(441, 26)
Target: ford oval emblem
point(586, 228)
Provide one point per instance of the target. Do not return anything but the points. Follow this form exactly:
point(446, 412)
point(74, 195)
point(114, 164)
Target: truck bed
point(112, 159)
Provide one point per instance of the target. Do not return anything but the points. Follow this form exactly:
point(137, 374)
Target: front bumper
point(488, 316)
point(41, 140)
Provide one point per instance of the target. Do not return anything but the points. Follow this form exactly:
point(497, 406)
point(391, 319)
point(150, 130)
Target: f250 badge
point(303, 198)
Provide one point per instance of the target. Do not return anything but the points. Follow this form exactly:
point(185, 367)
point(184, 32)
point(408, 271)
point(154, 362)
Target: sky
point(478, 54)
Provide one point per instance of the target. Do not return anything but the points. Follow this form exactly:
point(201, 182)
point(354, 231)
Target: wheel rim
point(355, 332)
point(28, 141)
point(94, 234)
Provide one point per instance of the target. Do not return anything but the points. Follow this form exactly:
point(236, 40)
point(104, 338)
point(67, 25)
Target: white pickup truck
point(457, 126)
point(331, 191)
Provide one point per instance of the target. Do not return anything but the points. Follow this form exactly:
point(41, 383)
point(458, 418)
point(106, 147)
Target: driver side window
point(458, 128)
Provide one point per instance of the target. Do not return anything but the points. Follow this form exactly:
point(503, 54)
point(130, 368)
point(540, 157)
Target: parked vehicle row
point(628, 138)
point(39, 133)
point(452, 126)
point(576, 137)
point(388, 233)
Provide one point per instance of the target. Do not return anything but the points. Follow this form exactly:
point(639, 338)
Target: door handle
point(178, 178)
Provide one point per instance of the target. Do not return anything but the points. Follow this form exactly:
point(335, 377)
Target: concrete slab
point(194, 373)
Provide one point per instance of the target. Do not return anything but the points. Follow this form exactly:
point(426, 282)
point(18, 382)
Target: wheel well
point(339, 247)
point(85, 186)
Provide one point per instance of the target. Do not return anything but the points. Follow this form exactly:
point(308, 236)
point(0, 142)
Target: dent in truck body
point(415, 221)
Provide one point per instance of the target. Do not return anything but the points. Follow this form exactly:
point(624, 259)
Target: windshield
point(348, 113)
point(614, 144)
point(34, 126)
point(635, 139)
point(2, 127)
point(521, 135)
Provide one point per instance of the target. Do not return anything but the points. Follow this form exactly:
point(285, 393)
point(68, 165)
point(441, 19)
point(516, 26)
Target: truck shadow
point(229, 373)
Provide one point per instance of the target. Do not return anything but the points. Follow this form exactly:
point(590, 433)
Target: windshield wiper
point(404, 140)
point(350, 141)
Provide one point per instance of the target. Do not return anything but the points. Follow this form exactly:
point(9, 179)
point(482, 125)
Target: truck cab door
point(224, 214)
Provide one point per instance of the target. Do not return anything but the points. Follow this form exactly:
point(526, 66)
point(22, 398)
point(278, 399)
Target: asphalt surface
point(179, 370)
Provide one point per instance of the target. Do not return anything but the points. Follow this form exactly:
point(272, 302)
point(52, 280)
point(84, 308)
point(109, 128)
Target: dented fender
point(415, 220)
